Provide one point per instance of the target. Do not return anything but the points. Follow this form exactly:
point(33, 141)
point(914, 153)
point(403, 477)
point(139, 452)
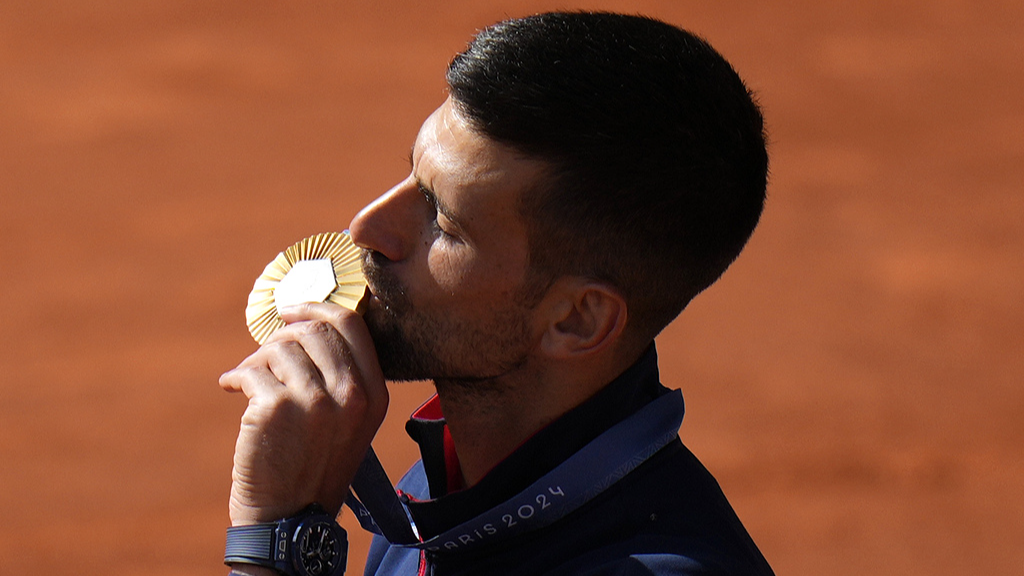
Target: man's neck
point(488, 424)
point(489, 419)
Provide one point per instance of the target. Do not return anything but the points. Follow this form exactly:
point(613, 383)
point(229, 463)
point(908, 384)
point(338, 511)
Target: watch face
point(319, 552)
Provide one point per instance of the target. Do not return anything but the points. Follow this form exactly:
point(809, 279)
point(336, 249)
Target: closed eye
point(439, 208)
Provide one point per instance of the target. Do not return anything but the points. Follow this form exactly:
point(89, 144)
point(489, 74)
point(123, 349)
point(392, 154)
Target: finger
point(283, 363)
point(324, 346)
point(229, 381)
point(358, 343)
point(250, 380)
point(351, 327)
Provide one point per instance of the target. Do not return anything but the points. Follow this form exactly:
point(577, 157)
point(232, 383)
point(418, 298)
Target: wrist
point(245, 509)
point(310, 543)
point(243, 514)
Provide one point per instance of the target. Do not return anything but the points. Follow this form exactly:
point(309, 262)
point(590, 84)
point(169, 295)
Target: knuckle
point(281, 348)
point(318, 399)
point(352, 395)
point(335, 315)
point(280, 405)
point(276, 398)
point(317, 327)
point(245, 373)
point(347, 318)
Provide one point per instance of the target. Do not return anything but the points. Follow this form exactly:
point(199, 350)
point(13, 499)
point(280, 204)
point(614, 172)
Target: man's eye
point(435, 215)
point(435, 218)
point(440, 229)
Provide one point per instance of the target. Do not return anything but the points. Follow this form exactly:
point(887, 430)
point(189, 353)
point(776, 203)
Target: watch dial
point(320, 552)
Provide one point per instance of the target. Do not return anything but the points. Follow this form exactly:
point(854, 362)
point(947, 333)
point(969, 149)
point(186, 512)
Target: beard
point(419, 344)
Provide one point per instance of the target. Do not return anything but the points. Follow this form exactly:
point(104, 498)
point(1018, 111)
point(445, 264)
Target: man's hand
point(316, 398)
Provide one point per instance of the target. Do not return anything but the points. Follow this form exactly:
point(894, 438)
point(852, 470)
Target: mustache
point(383, 284)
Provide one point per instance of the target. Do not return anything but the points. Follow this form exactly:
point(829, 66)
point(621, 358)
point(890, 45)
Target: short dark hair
point(656, 148)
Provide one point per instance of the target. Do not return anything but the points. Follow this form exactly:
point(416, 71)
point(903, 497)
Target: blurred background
point(854, 381)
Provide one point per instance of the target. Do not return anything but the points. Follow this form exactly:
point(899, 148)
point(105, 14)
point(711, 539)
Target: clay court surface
point(854, 381)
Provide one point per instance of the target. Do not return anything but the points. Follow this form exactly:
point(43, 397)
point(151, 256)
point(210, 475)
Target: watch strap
point(252, 544)
point(308, 544)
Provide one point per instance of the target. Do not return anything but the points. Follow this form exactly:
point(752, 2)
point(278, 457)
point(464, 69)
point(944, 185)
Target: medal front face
point(322, 268)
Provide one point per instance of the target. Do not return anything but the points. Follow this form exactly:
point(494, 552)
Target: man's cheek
point(451, 269)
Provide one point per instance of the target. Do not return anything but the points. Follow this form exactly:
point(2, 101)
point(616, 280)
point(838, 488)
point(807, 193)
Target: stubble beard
point(420, 345)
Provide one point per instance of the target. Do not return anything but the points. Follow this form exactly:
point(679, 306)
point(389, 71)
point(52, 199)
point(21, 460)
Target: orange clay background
point(854, 381)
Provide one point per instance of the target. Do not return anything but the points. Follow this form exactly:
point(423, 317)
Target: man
point(588, 175)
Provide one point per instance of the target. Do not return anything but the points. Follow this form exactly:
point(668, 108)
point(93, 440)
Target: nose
point(390, 224)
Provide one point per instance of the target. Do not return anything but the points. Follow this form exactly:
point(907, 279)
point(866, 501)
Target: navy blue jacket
point(667, 516)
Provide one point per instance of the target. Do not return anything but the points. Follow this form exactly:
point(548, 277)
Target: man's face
point(446, 258)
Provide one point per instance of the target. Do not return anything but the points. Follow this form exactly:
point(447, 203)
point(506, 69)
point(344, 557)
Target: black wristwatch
point(308, 544)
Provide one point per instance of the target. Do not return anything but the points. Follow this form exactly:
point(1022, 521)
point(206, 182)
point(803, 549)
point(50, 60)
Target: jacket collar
point(543, 452)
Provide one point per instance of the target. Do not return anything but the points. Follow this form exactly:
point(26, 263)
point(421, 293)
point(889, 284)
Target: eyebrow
point(441, 207)
point(436, 203)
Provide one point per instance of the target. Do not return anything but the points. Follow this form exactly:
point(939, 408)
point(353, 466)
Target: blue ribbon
point(587, 473)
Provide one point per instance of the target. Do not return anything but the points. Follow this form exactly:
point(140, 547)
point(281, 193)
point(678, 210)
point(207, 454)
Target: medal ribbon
point(587, 473)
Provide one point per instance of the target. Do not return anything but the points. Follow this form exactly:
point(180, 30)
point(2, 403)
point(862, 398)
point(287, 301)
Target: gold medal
point(322, 268)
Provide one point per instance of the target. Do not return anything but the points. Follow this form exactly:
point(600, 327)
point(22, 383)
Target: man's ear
point(585, 317)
